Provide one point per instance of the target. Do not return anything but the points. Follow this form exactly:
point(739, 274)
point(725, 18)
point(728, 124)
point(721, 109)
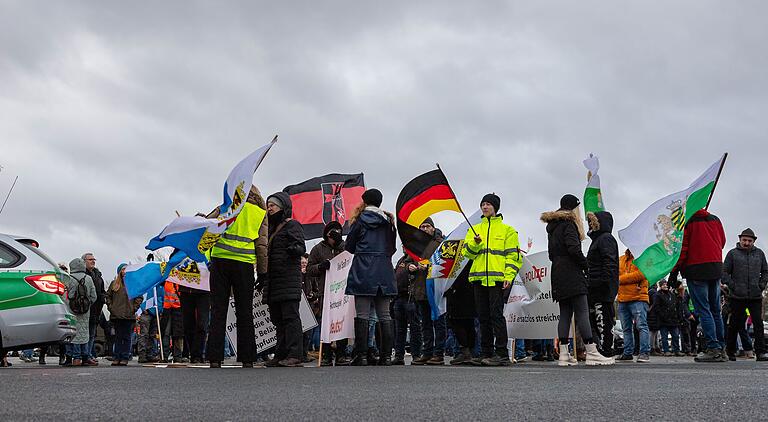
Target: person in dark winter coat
point(405, 313)
point(319, 262)
point(283, 288)
point(602, 279)
point(653, 322)
point(745, 272)
point(433, 333)
point(565, 233)
point(97, 306)
point(701, 263)
point(666, 304)
point(371, 276)
point(461, 317)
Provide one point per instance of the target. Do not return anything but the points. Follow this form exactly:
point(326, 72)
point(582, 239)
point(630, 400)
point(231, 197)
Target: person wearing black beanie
point(319, 263)
point(494, 249)
point(371, 277)
point(373, 197)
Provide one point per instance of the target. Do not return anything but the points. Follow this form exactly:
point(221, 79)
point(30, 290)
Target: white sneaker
point(595, 358)
point(565, 358)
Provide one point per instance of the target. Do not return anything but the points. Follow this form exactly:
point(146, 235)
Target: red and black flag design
point(420, 198)
point(320, 200)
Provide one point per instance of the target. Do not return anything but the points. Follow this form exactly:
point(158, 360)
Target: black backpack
point(79, 302)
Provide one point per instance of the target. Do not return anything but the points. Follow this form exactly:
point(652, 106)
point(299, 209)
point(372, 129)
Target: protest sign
point(530, 312)
point(338, 308)
point(266, 337)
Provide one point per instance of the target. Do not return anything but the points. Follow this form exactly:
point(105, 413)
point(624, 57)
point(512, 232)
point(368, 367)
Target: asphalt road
point(665, 389)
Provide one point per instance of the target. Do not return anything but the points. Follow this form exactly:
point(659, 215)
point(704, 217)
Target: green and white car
point(32, 308)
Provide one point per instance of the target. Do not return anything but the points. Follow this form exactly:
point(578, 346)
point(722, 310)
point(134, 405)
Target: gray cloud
point(115, 115)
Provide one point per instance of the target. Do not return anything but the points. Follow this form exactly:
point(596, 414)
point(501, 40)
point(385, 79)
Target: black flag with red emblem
point(320, 200)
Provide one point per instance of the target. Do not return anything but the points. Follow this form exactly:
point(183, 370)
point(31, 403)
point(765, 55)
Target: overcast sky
point(116, 114)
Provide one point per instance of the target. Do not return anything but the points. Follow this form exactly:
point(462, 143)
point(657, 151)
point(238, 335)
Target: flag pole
point(9, 194)
point(717, 179)
point(157, 318)
point(320, 355)
point(457, 199)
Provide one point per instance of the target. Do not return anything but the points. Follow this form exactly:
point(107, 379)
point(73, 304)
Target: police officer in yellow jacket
point(494, 250)
point(232, 272)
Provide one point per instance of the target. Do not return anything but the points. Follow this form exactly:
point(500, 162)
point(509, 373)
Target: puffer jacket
point(602, 259)
point(633, 285)
point(564, 236)
point(285, 248)
point(745, 272)
point(665, 303)
point(372, 240)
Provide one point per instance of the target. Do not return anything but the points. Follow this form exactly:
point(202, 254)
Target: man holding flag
point(232, 270)
point(494, 250)
point(701, 263)
point(677, 234)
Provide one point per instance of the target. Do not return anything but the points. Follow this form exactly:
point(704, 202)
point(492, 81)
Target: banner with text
point(266, 337)
point(530, 311)
point(338, 308)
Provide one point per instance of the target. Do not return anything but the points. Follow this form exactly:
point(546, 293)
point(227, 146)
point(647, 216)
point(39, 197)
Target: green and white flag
point(656, 236)
point(593, 197)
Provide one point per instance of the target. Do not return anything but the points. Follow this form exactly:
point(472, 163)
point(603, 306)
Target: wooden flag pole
point(457, 200)
point(159, 331)
point(320, 355)
point(717, 179)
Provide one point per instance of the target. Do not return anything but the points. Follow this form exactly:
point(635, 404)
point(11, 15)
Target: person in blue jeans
point(667, 307)
point(633, 309)
point(701, 264)
point(520, 354)
point(405, 314)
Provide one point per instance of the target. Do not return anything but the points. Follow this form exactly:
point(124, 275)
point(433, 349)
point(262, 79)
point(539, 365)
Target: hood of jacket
point(374, 217)
point(76, 265)
point(599, 222)
point(287, 210)
point(554, 218)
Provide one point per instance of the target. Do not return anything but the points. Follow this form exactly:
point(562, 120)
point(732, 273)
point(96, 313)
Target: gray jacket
point(745, 272)
point(77, 272)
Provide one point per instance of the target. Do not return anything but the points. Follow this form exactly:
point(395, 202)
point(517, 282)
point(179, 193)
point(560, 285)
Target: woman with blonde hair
point(371, 275)
point(565, 232)
point(122, 312)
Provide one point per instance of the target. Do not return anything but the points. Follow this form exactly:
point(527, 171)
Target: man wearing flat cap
point(745, 272)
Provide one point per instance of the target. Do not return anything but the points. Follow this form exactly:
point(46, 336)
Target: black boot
point(387, 338)
point(327, 358)
point(361, 342)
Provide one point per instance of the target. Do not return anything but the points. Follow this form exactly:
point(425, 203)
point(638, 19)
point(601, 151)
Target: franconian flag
point(446, 264)
point(593, 197)
point(656, 236)
point(196, 235)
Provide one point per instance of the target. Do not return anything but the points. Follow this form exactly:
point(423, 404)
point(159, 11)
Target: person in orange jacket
point(172, 323)
point(633, 308)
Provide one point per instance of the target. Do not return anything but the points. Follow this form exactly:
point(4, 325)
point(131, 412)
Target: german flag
point(422, 197)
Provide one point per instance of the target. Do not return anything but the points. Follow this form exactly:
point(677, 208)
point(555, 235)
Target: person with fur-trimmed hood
point(371, 277)
point(319, 262)
point(565, 232)
point(602, 279)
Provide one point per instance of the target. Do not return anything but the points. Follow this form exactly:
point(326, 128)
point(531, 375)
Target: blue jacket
point(372, 240)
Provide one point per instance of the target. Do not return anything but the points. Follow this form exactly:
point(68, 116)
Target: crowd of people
point(715, 315)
